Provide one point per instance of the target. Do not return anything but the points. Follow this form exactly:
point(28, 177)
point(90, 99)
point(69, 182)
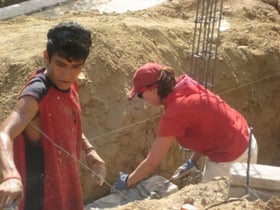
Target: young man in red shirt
point(194, 117)
point(45, 129)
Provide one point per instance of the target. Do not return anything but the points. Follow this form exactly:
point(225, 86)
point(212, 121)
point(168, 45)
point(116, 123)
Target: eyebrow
point(60, 61)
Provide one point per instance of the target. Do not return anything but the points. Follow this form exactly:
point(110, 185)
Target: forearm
point(142, 171)
point(87, 146)
point(90, 151)
point(7, 164)
point(94, 161)
point(158, 151)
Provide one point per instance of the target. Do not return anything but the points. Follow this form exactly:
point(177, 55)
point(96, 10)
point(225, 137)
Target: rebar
point(205, 45)
point(248, 160)
point(205, 41)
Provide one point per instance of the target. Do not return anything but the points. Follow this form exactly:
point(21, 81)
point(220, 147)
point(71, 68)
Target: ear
point(46, 57)
point(152, 92)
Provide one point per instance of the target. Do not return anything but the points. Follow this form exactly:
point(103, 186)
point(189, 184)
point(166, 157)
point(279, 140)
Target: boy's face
point(61, 71)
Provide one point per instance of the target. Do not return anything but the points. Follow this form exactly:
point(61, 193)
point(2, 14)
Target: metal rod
point(211, 43)
point(204, 49)
point(217, 40)
point(192, 69)
point(248, 161)
point(207, 28)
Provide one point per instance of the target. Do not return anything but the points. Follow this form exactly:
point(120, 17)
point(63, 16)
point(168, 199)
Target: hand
point(185, 169)
point(121, 183)
point(11, 192)
point(96, 163)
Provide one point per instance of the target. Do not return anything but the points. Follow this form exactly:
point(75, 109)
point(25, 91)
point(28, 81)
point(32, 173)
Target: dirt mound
point(247, 76)
point(206, 196)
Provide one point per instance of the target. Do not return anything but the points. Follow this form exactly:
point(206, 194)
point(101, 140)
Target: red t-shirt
point(60, 116)
point(203, 122)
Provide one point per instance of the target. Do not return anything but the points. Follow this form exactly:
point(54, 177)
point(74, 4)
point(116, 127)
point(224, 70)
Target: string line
point(156, 116)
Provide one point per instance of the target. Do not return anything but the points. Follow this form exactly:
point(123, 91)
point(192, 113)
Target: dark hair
point(166, 82)
point(69, 40)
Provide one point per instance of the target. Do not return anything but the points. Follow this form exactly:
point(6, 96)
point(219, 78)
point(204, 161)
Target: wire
point(156, 116)
point(123, 128)
point(73, 158)
point(247, 84)
point(120, 129)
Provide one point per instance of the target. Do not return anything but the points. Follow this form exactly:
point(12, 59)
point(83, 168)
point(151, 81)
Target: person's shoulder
point(37, 86)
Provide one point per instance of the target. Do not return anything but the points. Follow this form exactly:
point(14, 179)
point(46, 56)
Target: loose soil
point(246, 76)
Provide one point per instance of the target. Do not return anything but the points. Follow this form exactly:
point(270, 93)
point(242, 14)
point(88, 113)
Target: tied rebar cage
point(204, 52)
point(205, 41)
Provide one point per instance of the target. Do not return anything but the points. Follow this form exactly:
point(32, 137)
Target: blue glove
point(185, 169)
point(121, 183)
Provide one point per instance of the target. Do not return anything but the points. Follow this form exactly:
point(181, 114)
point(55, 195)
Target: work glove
point(185, 169)
point(121, 183)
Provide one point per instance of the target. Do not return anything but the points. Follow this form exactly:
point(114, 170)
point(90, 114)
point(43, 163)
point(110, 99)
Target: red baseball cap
point(146, 75)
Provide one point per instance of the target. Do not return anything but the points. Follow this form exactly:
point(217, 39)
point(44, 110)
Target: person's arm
point(87, 146)
point(11, 189)
point(94, 161)
point(158, 151)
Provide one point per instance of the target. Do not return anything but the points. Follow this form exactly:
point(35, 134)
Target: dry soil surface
point(247, 76)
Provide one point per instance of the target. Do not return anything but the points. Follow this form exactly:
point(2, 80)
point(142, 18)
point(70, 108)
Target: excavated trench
point(247, 77)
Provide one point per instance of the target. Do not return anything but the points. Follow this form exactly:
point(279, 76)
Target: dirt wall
point(5, 3)
point(247, 75)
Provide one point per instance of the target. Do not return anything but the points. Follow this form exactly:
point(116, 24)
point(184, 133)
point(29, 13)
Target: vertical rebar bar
point(205, 41)
point(248, 160)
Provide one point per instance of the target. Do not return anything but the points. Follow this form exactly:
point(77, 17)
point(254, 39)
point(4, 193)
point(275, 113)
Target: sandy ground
point(246, 75)
point(205, 196)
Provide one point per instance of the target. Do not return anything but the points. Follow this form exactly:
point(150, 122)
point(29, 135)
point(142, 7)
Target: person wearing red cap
point(196, 118)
